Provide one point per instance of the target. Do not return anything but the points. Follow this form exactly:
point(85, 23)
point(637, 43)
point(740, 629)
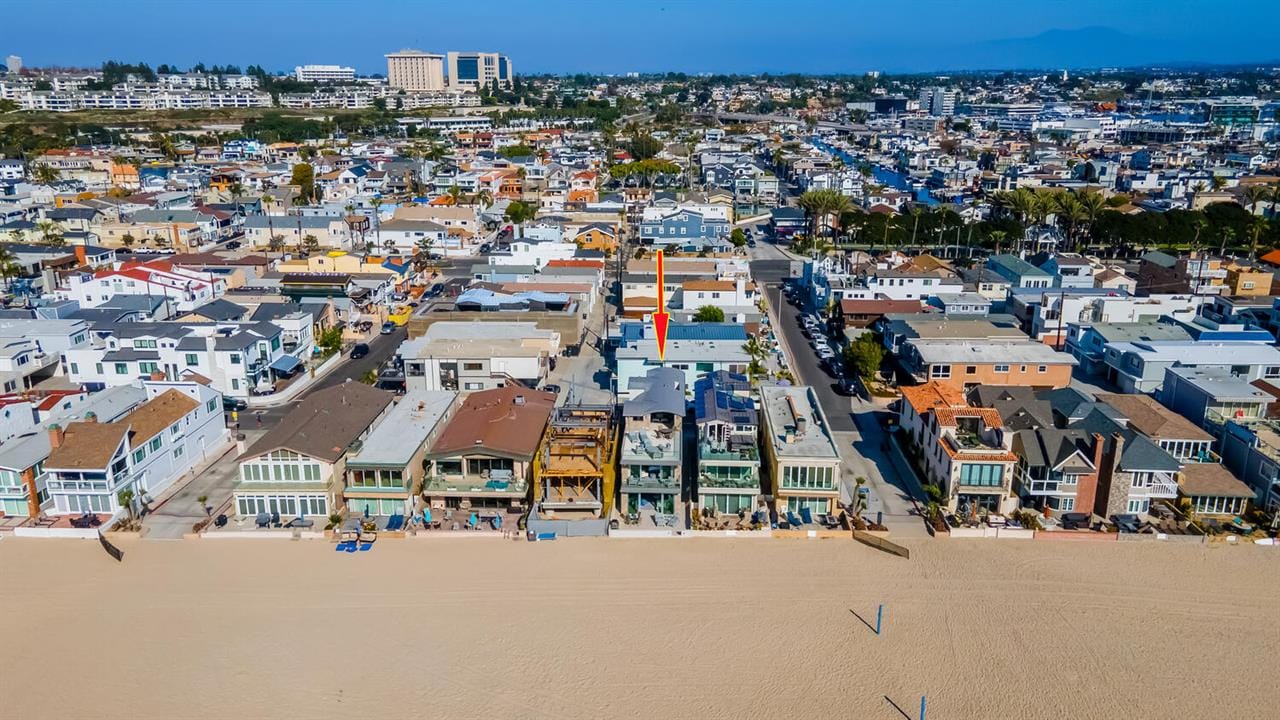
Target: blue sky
point(616, 36)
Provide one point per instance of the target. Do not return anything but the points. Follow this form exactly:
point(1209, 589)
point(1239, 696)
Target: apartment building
point(182, 289)
point(324, 73)
point(478, 356)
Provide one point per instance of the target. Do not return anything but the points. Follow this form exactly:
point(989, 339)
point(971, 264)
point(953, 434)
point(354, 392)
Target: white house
point(478, 356)
point(183, 289)
point(91, 462)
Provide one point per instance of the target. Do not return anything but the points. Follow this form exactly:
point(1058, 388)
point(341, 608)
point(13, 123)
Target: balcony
point(708, 452)
point(1240, 416)
point(1153, 485)
point(650, 443)
point(663, 478)
point(963, 441)
point(475, 484)
point(725, 478)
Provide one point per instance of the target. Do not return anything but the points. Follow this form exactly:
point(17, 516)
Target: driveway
point(176, 513)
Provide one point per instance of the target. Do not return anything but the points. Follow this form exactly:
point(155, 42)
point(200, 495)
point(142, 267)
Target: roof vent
point(519, 400)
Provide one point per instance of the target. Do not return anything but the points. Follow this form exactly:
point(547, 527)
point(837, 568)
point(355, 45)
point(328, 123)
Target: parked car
point(551, 389)
point(486, 247)
point(388, 328)
point(846, 387)
point(234, 245)
point(572, 349)
point(234, 404)
point(359, 351)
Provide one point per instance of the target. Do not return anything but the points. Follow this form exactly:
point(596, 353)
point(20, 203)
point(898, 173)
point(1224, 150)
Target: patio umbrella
point(366, 511)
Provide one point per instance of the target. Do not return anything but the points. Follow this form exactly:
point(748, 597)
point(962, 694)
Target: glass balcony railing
point(708, 452)
point(473, 483)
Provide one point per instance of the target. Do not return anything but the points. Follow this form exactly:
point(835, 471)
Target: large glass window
point(981, 475)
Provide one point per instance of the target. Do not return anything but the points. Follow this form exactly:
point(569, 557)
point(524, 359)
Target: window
point(1247, 285)
point(144, 344)
point(122, 368)
point(175, 429)
point(1023, 369)
point(192, 359)
point(1001, 368)
point(970, 369)
point(177, 452)
point(982, 475)
point(472, 366)
point(1042, 369)
point(147, 367)
point(1270, 371)
point(473, 386)
point(97, 367)
point(75, 369)
point(940, 371)
point(235, 359)
point(211, 405)
point(139, 455)
point(235, 384)
point(156, 442)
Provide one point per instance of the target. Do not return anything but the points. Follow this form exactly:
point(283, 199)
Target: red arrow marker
point(661, 317)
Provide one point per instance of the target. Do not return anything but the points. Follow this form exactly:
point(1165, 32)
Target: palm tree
point(998, 237)
point(484, 199)
point(1070, 213)
point(1093, 204)
point(46, 174)
point(454, 192)
point(1256, 225)
point(1254, 195)
point(276, 244)
point(50, 233)
point(125, 498)
point(757, 352)
point(9, 267)
point(1196, 189)
point(376, 202)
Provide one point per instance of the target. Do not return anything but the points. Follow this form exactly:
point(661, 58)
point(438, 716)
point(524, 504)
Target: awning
point(285, 364)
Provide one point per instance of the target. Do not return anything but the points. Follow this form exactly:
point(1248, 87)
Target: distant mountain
point(1088, 47)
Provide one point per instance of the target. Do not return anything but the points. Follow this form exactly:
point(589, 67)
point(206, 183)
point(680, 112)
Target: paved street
point(855, 423)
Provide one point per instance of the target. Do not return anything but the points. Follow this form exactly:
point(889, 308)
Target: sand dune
point(634, 629)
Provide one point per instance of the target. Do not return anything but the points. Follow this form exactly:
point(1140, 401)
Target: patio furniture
point(395, 522)
point(1239, 525)
point(263, 520)
point(343, 546)
point(806, 516)
point(300, 522)
point(275, 519)
point(368, 537)
point(792, 520)
point(366, 547)
point(220, 521)
point(1075, 521)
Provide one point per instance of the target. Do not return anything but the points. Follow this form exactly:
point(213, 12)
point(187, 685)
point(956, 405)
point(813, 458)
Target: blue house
point(684, 227)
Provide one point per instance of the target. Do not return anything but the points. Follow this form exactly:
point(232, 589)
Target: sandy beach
point(634, 629)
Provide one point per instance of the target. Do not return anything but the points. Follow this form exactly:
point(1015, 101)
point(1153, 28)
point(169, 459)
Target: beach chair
point(366, 547)
point(806, 516)
point(263, 520)
point(792, 520)
point(341, 547)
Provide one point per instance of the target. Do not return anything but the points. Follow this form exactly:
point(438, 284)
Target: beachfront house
point(92, 462)
point(1212, 490)
point(384, 474)
point(483, 457)
point(728, 478)
point(965, 451)
point(574, 471)
point(652, 471)
point(1057, 469)
point(802, 462)
point(295, 469)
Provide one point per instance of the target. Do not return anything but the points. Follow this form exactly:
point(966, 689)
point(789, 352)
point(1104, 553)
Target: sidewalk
point(297, 387)
point(177, 509)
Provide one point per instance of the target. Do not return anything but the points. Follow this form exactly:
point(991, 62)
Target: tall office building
point(470, 70)
point(14, 63)
point(938, 101)
point(415, 71)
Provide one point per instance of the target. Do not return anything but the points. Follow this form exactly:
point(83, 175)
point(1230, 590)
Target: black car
point(359, 351)
point(486, 248)
point(234, 404)
point(572, 350)
point(551, 389)
point(845, 387)
point(234, 245)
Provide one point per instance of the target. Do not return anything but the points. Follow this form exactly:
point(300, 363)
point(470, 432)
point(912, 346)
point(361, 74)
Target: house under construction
point(574, 471)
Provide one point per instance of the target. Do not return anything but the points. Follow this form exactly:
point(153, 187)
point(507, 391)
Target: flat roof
point(816, 441)
point(414, 418)
point(961, 351)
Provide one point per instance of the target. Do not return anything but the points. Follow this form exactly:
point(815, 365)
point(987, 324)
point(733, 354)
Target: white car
point(825, 352)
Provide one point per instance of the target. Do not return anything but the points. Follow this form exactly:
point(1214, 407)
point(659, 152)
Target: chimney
point(801, 424)
point(56, 436)
point(91, 417)
point(81, 257)
point(157, 376)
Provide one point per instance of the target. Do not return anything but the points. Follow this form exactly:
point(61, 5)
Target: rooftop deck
point(646, 441)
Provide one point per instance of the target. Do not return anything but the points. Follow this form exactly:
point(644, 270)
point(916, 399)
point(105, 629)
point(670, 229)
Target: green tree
point(9, 268)
point(518, 213)
point(864, 355)
point(46, 174)
point(709, 313)
point(50, 233)
point(304, 176)
point(738, 238)
point(310, 243)
point(644, 147)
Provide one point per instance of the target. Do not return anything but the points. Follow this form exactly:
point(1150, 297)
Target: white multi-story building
point(478, 356)
point(90, 463)
point(323, 73)
point(183, 289)
point(236, 358)
point(938, 101)
point(415, 71)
